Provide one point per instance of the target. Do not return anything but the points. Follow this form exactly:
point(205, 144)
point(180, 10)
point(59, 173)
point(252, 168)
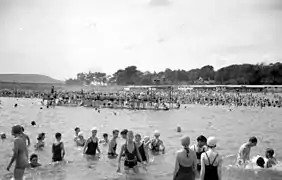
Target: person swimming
point(34, 161)
point(91, 145)
point(58, 149)
point(131, 154)
point(157, 144)
point(20, 153)
point(40, 141)
point(143, 150)
point(186, 162)
point(76, 131)
point(113, 144)
point(245, 150)
point(199, 148)
point(271, 160)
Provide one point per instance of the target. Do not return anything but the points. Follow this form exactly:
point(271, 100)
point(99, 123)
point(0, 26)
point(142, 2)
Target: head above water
point(260, 162)
point(17, 130)
point(157, 133)
point(185, 141)
point(123, 133)
point(253, 141)
point(269, 153)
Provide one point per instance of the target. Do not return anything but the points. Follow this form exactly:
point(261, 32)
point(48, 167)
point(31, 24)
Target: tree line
point(243, 74)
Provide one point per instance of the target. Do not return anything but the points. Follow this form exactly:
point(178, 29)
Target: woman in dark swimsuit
point(58, 149)
point(199, 148)
point(113, 145)
point(211, 162)
point(131, 154)
point(142, 149)
point(186, 162)
point(91, 145)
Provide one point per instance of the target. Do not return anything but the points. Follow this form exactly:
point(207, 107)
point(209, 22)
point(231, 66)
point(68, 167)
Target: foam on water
point(232, 128)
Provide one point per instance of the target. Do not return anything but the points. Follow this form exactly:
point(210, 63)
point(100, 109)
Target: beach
point(231, 125)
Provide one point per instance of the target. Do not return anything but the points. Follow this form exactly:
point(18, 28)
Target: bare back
point(20, 149)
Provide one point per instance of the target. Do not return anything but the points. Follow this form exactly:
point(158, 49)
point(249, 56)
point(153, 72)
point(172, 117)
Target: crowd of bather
point(153, 99)
point(201, 160)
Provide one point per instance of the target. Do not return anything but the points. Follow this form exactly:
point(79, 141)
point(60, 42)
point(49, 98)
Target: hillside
point(28, 78)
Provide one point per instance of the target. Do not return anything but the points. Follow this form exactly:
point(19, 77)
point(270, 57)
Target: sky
point(60, 38)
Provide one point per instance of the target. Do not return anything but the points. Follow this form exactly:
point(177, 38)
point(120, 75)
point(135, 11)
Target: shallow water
point(231, 127)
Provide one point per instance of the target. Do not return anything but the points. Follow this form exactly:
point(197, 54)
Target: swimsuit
point(91, 147)
point(198, 154)
point(57, 152)
point(142, 153)
point(130, 157)
point(211, 170)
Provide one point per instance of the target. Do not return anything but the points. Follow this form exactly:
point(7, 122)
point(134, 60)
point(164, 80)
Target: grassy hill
point(28, 78)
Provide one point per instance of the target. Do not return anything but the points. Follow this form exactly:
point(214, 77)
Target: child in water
point(80, 141)
point(58, 149)
point(271, 161)
point(34, 161)
point(260, 162)
point(40, 141)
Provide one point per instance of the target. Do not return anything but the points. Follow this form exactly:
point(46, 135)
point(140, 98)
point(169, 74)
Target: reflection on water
point(232, 127)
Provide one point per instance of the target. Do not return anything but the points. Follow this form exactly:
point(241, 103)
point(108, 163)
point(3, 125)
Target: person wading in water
point(186, 162)
point(20, 153)
point(199, 148)
point(211, 162)
point(245, 150)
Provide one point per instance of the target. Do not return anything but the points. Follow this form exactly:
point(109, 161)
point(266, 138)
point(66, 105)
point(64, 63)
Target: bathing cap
point(94, 129)
point(185, 141)
point(80, 134)
point(211, 142)
point(157, 133)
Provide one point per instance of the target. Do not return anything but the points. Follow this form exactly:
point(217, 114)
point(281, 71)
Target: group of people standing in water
point(198, 160)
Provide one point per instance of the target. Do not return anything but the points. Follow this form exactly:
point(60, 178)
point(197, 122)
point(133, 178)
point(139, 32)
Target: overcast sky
point(60, 38)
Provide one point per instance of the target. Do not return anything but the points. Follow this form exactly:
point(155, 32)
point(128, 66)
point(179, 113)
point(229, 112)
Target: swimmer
point(157, 145)
point(271, 160)
point(80, 141)
point(34, 161)
point(40, 141)
point(143, 150)
point(91, 145)
point(199, 148)
point(245, 150)
point(113, 144)
point(26, 137)
point(105, 139)
point(33, 123)
point(186, 162)
point(20, 154)
point(3, 136)
point(58, 149)
point(131, 154)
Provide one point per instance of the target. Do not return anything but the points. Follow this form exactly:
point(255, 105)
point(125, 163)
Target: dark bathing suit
point(142, 153)
point(185, 173)
point(57, 152)
point(130, 157)
point(198, 154)
point(211, 170)
point(155, 145)
point(91, 147)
